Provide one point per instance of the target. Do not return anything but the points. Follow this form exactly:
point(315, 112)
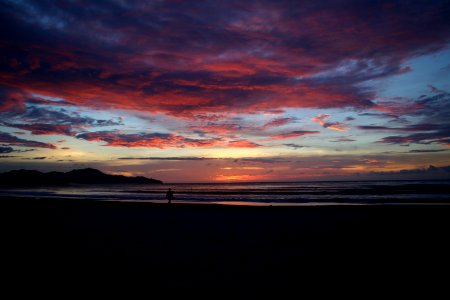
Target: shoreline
point(217, 245)
point(439, 201)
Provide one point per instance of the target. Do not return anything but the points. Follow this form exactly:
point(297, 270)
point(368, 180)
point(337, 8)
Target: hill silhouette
point(78, 176)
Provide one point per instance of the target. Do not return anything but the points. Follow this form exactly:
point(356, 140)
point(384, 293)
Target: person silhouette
point(169, 196)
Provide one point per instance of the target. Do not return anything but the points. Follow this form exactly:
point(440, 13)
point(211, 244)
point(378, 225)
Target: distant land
point(78, 176)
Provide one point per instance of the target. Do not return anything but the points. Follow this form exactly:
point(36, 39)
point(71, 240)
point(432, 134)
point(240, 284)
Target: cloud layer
point(196, 57)
point(196, 80)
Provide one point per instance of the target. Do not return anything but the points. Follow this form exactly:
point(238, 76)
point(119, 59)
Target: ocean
point(263, 193)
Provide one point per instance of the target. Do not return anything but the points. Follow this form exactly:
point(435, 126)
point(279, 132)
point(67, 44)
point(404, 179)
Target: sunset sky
point(223, 91)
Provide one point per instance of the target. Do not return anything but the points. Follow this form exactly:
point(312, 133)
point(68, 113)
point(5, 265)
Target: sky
point(225, 91)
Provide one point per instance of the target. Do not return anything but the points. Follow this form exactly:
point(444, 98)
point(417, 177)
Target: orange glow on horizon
point(244, 177)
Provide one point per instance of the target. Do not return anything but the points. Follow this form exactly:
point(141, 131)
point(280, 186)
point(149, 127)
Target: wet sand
point(185, 246)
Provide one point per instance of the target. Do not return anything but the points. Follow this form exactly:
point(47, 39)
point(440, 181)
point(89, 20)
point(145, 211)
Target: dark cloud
point(189, 58)
point(6, 149)
point(343, 140)
point(434, 125)
point(9, 139)
point(160, 140)
point(168, 158)
point(43, 129)
point(48, 121)
point(262, 160)
point(295, 146)
point(35, 158)
point(414, 128)
point(244, 160)
point(435, 89)
point(40, 101)
point(379, 115)
point(427, 151)
point(442, 172)
point(441, 137)
point(292, 134)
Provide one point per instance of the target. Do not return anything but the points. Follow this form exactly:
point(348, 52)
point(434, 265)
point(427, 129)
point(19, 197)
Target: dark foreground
point(215, 246)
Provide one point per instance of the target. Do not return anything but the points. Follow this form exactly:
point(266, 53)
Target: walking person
point(169, 196)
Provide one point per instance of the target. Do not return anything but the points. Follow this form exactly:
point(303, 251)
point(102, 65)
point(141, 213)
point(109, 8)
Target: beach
point(183, 245)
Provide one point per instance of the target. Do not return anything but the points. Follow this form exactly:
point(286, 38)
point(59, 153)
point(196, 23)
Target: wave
point(380, 192)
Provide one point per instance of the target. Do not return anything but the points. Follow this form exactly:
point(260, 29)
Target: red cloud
point(337, 126)
point(243, 144)
point(230, 58)
point(217, 128)
point(277, 122)
point(11, 99)
point(321, 119)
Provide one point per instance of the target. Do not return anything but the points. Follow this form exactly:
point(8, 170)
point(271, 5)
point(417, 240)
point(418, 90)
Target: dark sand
point(216, 246)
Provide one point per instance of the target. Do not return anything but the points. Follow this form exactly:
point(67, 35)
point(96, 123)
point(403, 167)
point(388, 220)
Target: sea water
point(255, 193)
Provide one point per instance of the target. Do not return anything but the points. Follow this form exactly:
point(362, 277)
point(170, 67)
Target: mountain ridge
point(24, 177)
